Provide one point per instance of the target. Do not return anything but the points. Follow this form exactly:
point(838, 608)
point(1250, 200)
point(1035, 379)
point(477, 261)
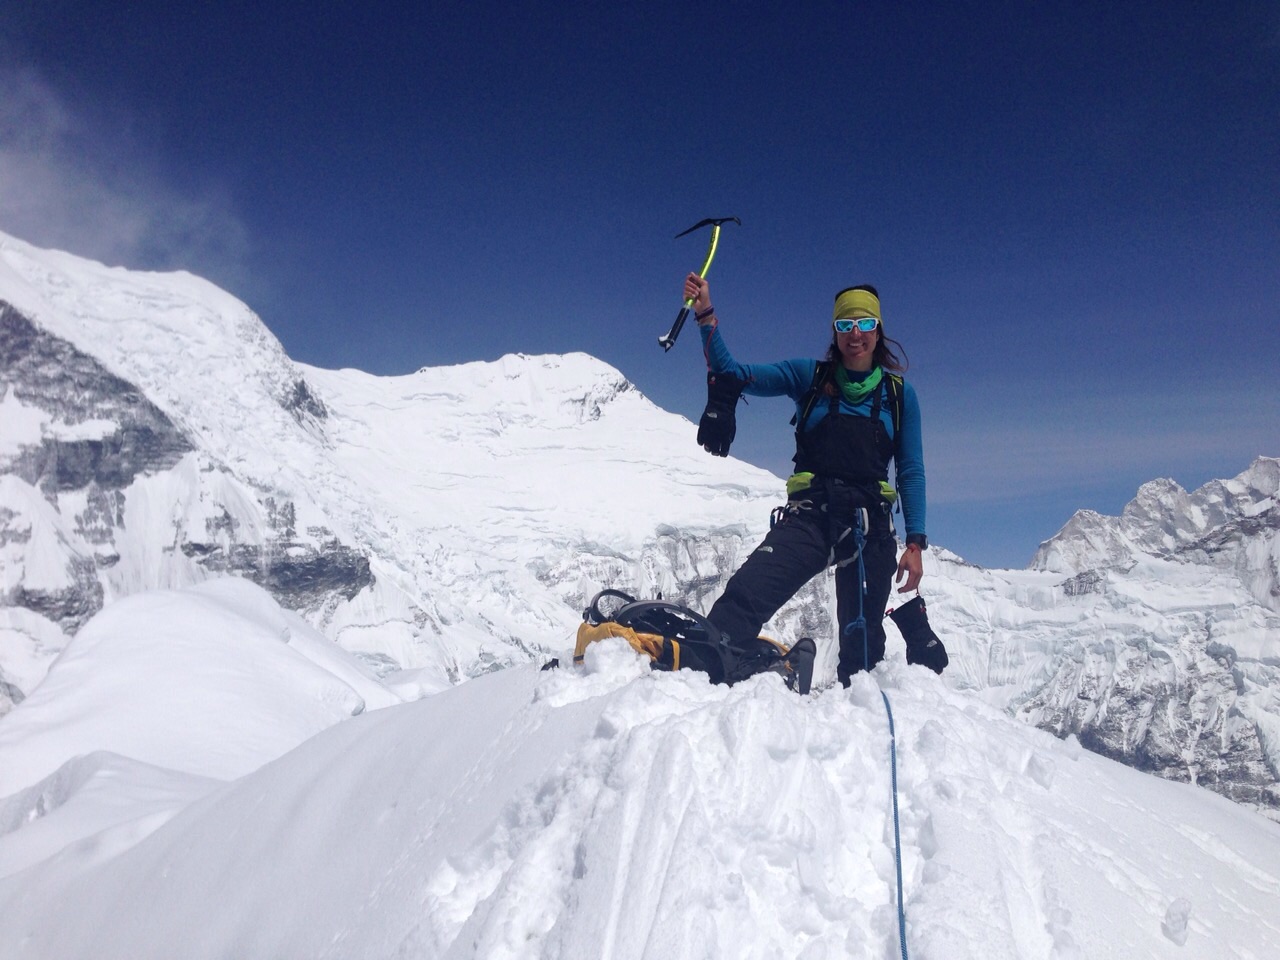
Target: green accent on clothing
point(855, 391)
point(798, 482)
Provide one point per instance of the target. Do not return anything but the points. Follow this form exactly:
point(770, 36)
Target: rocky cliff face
point(82, 448)
point(96, 435)
point(1182, 702)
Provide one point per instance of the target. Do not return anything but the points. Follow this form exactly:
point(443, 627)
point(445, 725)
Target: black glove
point(923, 645)
point(717, 427)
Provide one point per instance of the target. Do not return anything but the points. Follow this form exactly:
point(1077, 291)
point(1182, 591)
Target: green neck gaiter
point(855, 391)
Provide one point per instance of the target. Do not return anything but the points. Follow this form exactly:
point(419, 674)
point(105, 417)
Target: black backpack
point(676, 638)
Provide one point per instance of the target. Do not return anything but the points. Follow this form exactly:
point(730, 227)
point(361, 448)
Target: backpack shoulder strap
point(821, 371)
point(893, 384)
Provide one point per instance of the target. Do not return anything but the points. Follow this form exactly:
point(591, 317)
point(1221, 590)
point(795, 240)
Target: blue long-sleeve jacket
point(793, 378)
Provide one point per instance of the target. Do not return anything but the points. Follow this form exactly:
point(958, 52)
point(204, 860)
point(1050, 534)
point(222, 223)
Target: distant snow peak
point(1164, 520)
point(1180, 710)
point(100, 459)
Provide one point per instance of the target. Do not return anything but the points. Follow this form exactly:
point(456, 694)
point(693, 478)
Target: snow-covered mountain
point(454, 521)
point(1186, 678)
point(1232, 525)
point(451, 521)
point(1167, 664)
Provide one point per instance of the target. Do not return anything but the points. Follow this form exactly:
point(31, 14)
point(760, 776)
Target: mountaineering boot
point(923, 645)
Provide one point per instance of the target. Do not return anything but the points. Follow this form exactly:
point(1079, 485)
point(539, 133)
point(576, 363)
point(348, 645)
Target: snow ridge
point(616, 812)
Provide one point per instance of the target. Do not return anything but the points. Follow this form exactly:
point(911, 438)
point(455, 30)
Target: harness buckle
point(792, 508)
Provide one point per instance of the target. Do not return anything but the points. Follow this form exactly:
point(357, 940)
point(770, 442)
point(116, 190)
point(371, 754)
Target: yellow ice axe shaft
point(669, 339)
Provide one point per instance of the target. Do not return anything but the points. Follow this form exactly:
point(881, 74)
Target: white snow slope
point(604, 812)
point(214, 680)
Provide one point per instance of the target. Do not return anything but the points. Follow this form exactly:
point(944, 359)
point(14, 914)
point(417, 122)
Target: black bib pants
point(849, 456)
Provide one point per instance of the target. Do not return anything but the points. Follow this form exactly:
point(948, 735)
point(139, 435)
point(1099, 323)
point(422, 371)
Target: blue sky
point(1071, 210)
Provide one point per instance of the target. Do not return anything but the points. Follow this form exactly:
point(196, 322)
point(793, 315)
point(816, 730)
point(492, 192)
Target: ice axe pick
point(669, 340)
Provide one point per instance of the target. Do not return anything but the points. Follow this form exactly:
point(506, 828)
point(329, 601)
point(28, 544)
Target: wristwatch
point(919, 539)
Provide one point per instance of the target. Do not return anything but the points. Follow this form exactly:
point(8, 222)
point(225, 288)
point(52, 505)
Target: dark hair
point(883, 355)
point(862, 286)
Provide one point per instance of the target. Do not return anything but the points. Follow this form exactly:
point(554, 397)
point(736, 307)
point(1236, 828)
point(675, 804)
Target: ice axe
point(714, 223)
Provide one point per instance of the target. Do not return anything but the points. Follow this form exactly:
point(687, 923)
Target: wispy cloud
point(68, 184)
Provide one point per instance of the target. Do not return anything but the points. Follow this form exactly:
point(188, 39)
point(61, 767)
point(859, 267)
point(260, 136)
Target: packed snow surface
point(606, 811)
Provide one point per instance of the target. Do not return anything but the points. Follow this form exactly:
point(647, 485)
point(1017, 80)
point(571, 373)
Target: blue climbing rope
point(860, 623)
point(897, 836)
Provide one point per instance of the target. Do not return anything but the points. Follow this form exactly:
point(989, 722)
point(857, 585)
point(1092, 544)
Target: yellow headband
point(855, 303)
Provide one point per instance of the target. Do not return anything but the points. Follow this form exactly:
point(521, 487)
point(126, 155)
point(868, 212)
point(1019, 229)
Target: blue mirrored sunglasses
point(865, 324)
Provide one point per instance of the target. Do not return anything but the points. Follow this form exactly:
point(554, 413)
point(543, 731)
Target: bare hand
point(699, 291)
point(911, 567)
